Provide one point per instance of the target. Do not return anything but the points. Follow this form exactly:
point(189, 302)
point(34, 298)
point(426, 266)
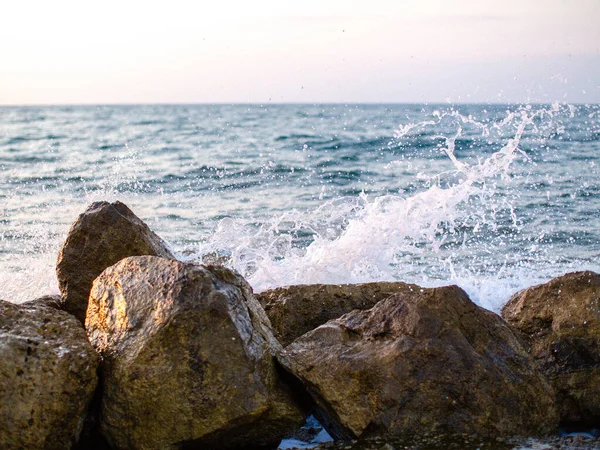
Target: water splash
point(387, 237)
point(484, 197)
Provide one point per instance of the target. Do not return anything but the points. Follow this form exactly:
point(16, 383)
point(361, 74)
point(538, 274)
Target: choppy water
point(492, 198)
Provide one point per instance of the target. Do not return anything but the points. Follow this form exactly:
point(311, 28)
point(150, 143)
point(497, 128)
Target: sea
point(493, 198)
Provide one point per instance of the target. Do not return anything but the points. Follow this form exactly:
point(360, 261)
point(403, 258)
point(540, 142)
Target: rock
point(468, 443)
point(188, 358)
point(295, 310)
point(422, 364)
point(560, 321)
point(100, 237)
point(52, 301)
point(47, 377)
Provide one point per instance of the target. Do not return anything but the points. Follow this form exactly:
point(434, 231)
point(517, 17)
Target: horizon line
point(303, 103)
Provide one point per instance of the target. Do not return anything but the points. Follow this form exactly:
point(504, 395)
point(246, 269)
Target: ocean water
point(493, 198)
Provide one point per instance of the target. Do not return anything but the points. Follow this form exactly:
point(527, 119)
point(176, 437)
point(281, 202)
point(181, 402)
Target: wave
point(492, 199)
point(367, 239)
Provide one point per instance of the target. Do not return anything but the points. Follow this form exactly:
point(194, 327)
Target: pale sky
point(234, 51)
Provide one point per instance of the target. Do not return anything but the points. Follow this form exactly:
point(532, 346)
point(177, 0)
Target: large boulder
point(295, 310)
point(188, 358)
point(100, 237)
point(426, 362)
point(47, 377)
point(89, 438)
point(560, 321)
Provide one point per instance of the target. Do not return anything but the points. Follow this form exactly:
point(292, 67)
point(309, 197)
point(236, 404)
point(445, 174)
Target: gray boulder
point(100, 237)
point(188, 359)
point(47, 377)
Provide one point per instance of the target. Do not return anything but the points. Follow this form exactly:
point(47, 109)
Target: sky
point(340, 51)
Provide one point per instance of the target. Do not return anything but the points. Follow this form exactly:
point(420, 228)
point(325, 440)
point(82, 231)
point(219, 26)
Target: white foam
point(378, 238)
point(430, 237)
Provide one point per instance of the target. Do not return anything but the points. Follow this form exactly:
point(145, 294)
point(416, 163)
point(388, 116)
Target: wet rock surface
point(100, 237)
point(47, 377)
point(188, 359)
point(469, 443)
point(295, 310)
point(308, 435)
point(424, 362)
point(560, 323)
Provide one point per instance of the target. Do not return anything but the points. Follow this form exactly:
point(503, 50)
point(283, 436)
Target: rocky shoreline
point(141, 351)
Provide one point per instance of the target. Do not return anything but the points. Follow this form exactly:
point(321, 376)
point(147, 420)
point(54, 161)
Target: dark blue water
point(491, 197)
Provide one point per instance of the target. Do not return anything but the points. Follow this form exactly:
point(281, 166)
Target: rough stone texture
point(295, 310)
point(52, 301)
point(423, 362)
point(47, 377)
point(188, 358)
point(560, 321)
point(100, 237)
point(469, 443)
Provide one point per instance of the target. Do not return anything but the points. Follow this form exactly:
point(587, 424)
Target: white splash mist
point(364, 239)
point(35, 241)
point(351, 239)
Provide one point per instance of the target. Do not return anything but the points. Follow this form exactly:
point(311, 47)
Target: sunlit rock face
point(100, 237)
point(423, 362)
point(560, 321)
point(188, 358)
point(47, 377)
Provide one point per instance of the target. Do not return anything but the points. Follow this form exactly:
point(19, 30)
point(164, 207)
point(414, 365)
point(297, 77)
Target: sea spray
point(490, 197)
point(384, 238)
